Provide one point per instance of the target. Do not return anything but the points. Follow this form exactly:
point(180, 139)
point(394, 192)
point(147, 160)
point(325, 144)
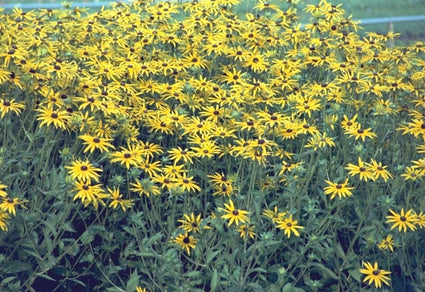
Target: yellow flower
point(403, 220)
point(379, 170)
point(375, 275)
point(10, 106)
point(274, 214)
point(187, 183)
point(3, 220)
point(387, 243)
point(2, 192)
point(117, 199)
point(246, 231)
point(420, 220)
point(337, 189)
point(89, 194)
point(362, 169)
point(320, 141)
point(412, 173)
point(50, 116)
point(8, 205)
point(185, 241)
point(190, 223)
point(361, 133)
point(94, 142)
point(145, 187)
point(83, 170)
point(289, 225)
point(233, 214)
point(127, 156)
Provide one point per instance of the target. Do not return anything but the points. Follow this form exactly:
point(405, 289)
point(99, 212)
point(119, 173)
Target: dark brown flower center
point(235, 212)
point(403, 218)
point(84, 167)
point(376, 272)
point(186, 240)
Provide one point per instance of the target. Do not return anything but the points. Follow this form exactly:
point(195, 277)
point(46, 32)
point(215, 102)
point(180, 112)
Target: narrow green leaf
point(193, 274)
point(45, 276)
point(7, 280)
point(211, 254)
point(214, 280)
point(133, 281)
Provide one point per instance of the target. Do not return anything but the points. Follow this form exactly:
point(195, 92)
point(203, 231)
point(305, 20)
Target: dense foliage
point(186, 147)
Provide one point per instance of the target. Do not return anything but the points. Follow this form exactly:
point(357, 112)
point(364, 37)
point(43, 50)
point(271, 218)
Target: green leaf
point(355, 274)
point(327, 271)
point(259, 269)
point(133, 281)
point(7, 280)
point(193, 274)
point(67, 227)
point(145, 253)
point(214, 280)
point(211, 254)
point(340, 251)
point(16, 266)
point(289, 288)
point(45, 276)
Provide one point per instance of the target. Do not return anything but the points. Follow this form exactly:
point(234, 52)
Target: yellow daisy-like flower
point(186, 242)
point(127, 156)
point(4, 217)
point(362, 169)
point(387, 243)
point(190, 223)
point(375, 275)
point(83, 171)
point(117, 199)
point(403, 220)
point(233, 214)
point(274, 214)
point(420, 220)
point(337, 189)
point(10, 106)
point(246, 231)
point(289, 225)
point(93, 142)
point(8, 205)
point(50, 116)
point(2, 192)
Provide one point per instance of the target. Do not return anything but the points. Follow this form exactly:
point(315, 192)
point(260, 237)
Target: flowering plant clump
point(194, 147)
